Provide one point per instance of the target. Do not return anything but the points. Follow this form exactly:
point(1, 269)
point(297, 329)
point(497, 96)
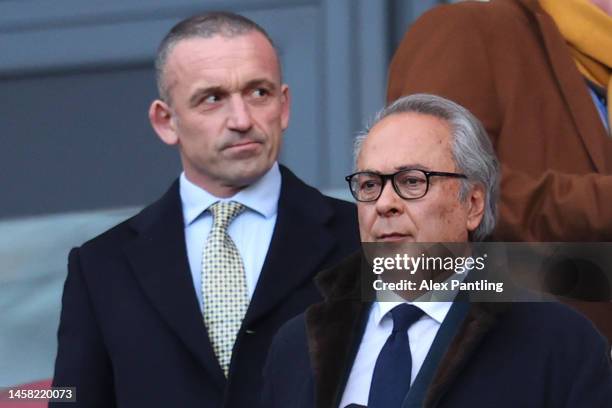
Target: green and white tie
point(223, 283)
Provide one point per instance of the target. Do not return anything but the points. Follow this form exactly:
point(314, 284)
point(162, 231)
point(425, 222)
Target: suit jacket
point(502, 355)
point(131, 332)
point(507, 63)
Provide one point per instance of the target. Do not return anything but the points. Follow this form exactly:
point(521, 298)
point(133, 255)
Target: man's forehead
point(248, 44)
point(220, 53)
point(407, 139)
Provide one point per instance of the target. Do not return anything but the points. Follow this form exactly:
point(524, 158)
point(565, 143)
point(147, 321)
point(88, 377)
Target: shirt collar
point(261, 196)
point(435, 310)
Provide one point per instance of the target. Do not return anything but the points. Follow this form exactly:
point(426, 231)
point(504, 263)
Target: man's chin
point(245, 174)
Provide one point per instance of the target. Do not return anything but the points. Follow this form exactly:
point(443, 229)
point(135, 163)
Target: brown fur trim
point(341, 281)
point(334, 329)
point(334, 333)
point(480, 319)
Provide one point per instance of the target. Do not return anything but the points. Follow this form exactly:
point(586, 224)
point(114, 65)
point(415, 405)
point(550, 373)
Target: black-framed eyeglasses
point(410, 184)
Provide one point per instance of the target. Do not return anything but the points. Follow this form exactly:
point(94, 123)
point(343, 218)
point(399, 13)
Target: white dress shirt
point(251, 231)
point(378, 329)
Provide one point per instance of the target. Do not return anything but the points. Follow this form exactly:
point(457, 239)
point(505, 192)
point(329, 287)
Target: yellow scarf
point(588, 31)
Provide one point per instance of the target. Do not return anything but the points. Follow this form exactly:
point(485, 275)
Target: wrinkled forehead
point(407, 140)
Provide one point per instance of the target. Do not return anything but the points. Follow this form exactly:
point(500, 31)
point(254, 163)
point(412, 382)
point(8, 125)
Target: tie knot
point(404, 316)
point(224, 212)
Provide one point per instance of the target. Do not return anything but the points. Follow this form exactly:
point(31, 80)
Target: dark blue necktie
point(391, 378)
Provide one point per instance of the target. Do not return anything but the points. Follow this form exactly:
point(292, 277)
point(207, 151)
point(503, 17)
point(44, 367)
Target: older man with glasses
point(426, 173)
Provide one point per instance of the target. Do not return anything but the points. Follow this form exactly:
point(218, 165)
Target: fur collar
point(335, 327)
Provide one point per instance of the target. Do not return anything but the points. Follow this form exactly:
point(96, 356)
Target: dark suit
point(131, 332)
point(502, 355)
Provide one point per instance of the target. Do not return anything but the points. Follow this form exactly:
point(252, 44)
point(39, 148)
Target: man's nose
point(389, 203)
point(239, 116)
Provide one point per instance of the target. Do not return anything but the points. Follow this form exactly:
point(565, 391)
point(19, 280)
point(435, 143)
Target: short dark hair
point(204, 25)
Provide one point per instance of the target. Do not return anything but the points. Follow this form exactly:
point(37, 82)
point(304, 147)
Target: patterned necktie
point(391, 378)
point(223, 283)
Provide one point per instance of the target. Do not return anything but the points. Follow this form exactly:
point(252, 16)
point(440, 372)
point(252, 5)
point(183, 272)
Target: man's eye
point(260, 93)
point(369, 185)
point(412, 182)
point(214, 98)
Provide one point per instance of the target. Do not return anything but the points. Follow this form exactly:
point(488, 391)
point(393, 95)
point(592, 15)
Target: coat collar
point(158, 257)
point(300, 243)
point(481, 318)
point(335, 328)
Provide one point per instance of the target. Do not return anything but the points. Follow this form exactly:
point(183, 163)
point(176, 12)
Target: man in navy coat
point(136, 319)
point(426, 172)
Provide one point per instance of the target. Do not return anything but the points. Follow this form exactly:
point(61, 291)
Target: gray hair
point(472, 151)
point(205, 25)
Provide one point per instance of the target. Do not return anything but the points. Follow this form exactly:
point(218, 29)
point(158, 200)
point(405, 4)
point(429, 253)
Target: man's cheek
point(366, 224)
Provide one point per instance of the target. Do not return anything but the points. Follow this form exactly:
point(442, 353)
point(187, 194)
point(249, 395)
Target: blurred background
point(78, 154)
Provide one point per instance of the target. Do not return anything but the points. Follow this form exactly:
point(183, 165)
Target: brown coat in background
point(508, 64)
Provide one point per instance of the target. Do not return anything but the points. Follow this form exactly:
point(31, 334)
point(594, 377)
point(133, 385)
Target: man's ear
point(285, 106)
point(476, 206)
point(160, 116)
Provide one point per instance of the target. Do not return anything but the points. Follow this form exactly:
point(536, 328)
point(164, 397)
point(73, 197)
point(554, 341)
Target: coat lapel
point(159, 260)
point(575, 93)
point(295, 255)
point(480, 318)
point(334, 329)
